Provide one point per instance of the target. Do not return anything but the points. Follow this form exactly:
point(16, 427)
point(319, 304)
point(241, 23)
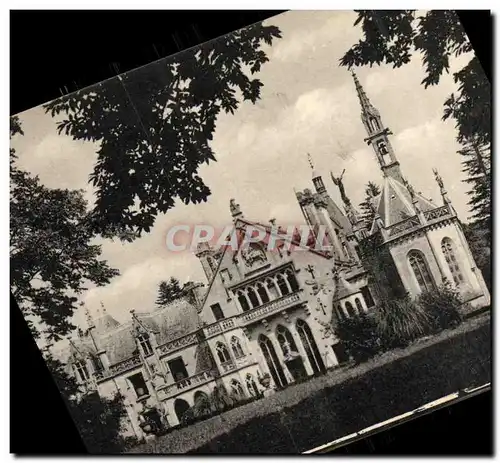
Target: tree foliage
point(98, 420)
point(393, 36)
point(367, 213)
point(479, 239)
point(52, 258)
point(477, 165)
point(359, 336)
point(443, 306)
point(154, 125)
point(401, 321)
point(172, 289)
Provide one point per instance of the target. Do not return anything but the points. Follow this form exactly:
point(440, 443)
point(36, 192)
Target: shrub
point(400, 322)
point(359, 336)
point(443, 306)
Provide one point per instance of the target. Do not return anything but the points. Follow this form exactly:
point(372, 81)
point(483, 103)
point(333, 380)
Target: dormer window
point(82, 371)
point(145, 344)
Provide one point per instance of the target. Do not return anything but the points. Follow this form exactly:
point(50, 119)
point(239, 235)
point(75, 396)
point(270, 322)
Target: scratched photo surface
point(272, 241)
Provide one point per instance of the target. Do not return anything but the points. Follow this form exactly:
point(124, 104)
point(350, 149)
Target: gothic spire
point(316, 178)
point(366, 105)
point(378, 135)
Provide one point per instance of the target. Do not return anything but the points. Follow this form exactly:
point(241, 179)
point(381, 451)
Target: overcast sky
point(308, 104)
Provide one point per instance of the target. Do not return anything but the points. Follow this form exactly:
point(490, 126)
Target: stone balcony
point(270, 308)
point(169, 390)
point(118, 368)
point(253, 315)
point(414, 222)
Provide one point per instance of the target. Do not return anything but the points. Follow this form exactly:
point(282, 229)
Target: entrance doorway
point(180, 407)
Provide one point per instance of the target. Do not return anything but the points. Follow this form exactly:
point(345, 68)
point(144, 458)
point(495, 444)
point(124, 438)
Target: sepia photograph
point(277, 241)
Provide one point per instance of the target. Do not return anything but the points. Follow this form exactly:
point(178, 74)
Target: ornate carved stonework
point(253, 256)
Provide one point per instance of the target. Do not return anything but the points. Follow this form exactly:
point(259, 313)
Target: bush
point(400, 322)
point(359, 336)
point(442, 306)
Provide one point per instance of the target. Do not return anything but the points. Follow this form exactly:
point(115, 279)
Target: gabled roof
point(338, 217)
point(173, 321)
point(395, 202)
point(239, 225)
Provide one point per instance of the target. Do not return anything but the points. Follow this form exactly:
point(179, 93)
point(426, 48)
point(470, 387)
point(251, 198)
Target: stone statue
point(439, 180)
point(340, 184)
point(235, 208)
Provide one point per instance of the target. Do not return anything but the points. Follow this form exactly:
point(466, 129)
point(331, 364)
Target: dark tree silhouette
point(367, 213)
point(392, 37)
point(51, 255)
point(154, 125)
point(169, 291)
point(172, 289)
point(98, 419)
point(477, 166)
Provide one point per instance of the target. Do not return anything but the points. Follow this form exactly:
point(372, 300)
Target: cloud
point(312, 31)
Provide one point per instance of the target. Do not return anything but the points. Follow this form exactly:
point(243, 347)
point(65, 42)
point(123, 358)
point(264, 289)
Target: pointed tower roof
point(395, 202)
point(366, 105)
point(314, 172)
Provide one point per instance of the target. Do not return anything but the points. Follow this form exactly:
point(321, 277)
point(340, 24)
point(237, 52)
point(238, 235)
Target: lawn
point(344, 401)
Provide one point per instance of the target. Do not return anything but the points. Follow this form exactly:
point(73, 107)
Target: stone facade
point(272, 312)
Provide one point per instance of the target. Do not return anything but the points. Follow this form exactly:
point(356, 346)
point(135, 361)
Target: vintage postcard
point(272, 242)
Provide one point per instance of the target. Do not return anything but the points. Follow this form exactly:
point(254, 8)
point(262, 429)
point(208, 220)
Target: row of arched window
point(181, 406)
point(260, 293)
point(349, 311)
point(223, 352)
point(420, 267)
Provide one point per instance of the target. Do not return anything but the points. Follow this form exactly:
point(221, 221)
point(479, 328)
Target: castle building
point(269, 313)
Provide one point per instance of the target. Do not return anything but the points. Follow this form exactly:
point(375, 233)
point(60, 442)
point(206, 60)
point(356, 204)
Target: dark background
point(56, 52)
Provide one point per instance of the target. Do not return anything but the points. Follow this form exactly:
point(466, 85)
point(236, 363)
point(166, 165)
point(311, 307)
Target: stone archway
point(180, 407)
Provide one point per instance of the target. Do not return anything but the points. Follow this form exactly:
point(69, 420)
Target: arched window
point(237, 389)
point(272, 361)
point(145, 344)
point(223, 353)
point(243, 301)
point(264, 297)
point(359, 306)
point(374, 124)
point(236, 346)
point(350, 309)
point(285, 338)
point(282, 284)
point(382, 147)
point(340, 312)
point(448, 248)
point(271, 289)
point(421, 270)
point(253, 297)
point(310, 346)
point(180, 407)
point(292, 281)
point(81, 370)
point(252, 385)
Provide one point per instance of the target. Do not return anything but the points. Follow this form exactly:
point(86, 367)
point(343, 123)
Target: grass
point(345, 400)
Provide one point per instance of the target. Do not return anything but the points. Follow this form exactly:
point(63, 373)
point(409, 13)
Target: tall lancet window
point(374, 124)
point(421, 270)
point(82, 371)
point(448, 249)
point(145, 344)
